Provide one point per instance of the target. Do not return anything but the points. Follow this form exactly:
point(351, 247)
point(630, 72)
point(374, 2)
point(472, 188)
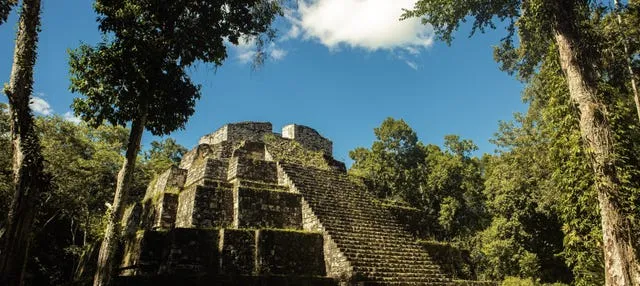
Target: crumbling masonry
point(251, 207)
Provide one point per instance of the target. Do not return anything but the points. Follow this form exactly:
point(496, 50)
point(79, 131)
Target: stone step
point(372, 252)
point(368, 244)
point(359, 219)
point(397, 268)
point(377, 246)
point(382, 240)
point(387, 283)
point(353, 216)
point(332, 224)
point(355, 236)
point(238, 183)
point(355, 205)
point(363, 224)
point(352, 251)
point(421, 262)
point(356, 211)
point(400, 278)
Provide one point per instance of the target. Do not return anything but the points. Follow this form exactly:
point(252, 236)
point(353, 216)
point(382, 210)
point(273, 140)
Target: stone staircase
point(377, 249)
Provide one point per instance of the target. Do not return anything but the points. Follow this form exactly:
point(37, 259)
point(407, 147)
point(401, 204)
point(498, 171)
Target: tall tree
point(164, 154)
point(566, 23)
point(390, 165)
point(444, 185)
point(138, 74)
point(29, 180)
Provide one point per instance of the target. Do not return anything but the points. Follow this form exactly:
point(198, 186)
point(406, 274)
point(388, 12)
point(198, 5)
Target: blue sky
point(339, 66)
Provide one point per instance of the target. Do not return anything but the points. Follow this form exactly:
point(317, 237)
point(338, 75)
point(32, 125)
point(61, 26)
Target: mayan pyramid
point(248, 206)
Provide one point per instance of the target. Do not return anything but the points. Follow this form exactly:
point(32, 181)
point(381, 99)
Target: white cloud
point(412, 64)
point(367, 24)
point(246, 51)
point(68, 116)
point(277, 54)
point(39, 105)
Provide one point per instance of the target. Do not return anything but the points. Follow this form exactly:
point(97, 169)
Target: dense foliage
point(83, 162)
point(445, 185)
point(582, 49)
point(138, 73)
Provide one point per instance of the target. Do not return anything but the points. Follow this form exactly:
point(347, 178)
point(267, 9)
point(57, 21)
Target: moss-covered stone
point(281, 252)
point(144, 252)
point(209, 280)
point(193, 251)
point(205, 207)
point(287, 150)
point(252, 170)
point(452, 260)
point(259, 208)
point(238, 251)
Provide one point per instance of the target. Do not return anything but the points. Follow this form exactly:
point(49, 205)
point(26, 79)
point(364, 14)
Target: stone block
point(144, 252)
point(205, 206)
point(252, 170)
point(250, 131)
point(260, 208)
point(238, 251)
point(308, 137)
point(207, 169)
point(170, 181)
point(250, 150)
point(166, 211)
point(296, 253)
point(193, 251)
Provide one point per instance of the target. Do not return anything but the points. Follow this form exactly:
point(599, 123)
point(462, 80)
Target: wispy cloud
point(278, 54)
point(369, 25)
point(412, 64)
point(246, 50)
point(366, 24)
point(68, 116)
point(39, 105)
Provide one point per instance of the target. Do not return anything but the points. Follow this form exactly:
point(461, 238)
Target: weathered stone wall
point(223, 280)
point(289, 253)
point(202, 151)
point(252, 170)
point(192, 251)
point(166, 210)
point(205, 206)
point(207, 169)
point(215, 137)
point(250, 131)
point(336, 262)
point(308, 137)
point(186, 203)
point(170, 181)
point(267, 209)
point(250, 150)
point(144, 252)
point(238, 250)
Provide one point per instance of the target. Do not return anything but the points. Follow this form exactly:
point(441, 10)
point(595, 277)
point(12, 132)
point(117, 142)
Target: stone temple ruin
point(251, 207)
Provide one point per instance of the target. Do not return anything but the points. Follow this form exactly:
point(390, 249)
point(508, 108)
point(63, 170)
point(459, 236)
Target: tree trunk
point(104, 269)
point(28, 176)
point(621, 265)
